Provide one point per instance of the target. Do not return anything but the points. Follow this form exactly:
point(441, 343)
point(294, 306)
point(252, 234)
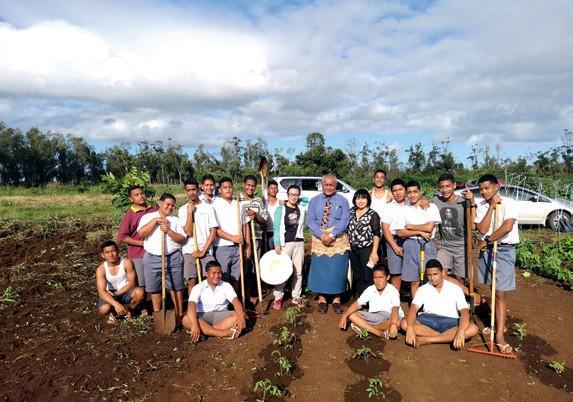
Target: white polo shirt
point(391, 214)
point(381, 301)
point(446, 303)
point(226, 213)
point(415, 215)
point(152, 243)
point(208, 299)
point(205, 219)
point(506, 210)
point(209, 201)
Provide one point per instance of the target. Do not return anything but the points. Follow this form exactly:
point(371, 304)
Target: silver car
point(310, 186)
point(533, 208)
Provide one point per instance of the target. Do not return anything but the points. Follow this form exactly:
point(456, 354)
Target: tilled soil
point(54, 347)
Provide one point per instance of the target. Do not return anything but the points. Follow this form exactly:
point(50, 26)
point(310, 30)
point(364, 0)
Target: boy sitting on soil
point(115, 280)
point(207, 311)
point(439, 322)
point(384, 311)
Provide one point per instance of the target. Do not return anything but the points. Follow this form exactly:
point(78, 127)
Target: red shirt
point(128, 228)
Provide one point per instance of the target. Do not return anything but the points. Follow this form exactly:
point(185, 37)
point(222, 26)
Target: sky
point(497, 73)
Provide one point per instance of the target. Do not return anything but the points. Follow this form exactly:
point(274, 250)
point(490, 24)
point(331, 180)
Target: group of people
point(384, 239)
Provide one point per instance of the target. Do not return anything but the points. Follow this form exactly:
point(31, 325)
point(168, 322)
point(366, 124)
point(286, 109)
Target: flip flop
point(355, 328)
point(487, 330)
point(111, 320)
point(505, 349)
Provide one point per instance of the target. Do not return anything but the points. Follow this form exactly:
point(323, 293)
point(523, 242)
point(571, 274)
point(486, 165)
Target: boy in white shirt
point(416, 226)
point(208, 312)
point(446, 315)
point(200, 213)
point(151, 228)
point(507, 237)
point(384, 311)
point(394, 244)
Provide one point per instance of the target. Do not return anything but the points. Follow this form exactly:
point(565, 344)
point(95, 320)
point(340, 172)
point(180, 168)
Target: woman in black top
point(364, 235)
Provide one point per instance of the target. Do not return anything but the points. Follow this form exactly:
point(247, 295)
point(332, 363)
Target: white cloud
point(471, 72)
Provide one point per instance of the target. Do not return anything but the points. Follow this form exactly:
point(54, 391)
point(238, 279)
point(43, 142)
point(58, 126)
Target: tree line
point(35, 158)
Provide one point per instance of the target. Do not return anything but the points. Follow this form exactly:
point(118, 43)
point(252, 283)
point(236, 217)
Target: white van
point(311, 186)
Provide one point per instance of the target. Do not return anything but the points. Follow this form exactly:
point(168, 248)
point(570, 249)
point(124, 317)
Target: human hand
point(393, 331)
point(342, 322)
point(424, 203)
point(191, 208)
point(248, 251)
point(496, 199)
point(278, 249)
point(411, 336)
point(459, 340)
point(241, 324)
point(195, 333)
point(120, 309)
point(399, 251)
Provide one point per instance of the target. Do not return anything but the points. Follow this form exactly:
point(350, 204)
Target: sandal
point(322, 307)
point(111, 320)
point(337, 307)
point(356, 328)
point(505, 349)
point(234, 334)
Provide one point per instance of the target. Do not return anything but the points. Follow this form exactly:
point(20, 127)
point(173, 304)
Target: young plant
point(558, 367)
point(363, 352)
point(375, 387)
point(268, 388)
point(285, 365)
point(362, 334)
point(285, 338)
point(519, 330)
point(291, 315)
point(10, 295)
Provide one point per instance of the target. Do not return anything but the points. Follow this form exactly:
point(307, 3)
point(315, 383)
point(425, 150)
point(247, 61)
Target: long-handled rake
point(469, 257)
point(197, 260)
point(240, 231)
point(488, 348)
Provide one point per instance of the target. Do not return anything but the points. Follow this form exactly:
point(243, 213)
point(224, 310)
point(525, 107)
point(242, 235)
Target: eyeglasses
point(293, 194)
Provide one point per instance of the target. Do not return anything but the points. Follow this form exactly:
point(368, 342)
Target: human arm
point(390, 239)
point(277, 229)
point(375, 227)
point(411, 233)
point(187, 215)
point(165, 227)
point(460, 339)
point(104, 294)
point(192, 317)
point(240, 314)
point(124, 231)
point(354, 307)
point(313, 217)
point(411, 320)
point(248, 249)
point(394, 322)
point(146, 228)
point(208, 243)
point(340, 215)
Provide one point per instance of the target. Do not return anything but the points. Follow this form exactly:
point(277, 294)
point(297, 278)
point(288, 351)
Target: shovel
point(164, 321)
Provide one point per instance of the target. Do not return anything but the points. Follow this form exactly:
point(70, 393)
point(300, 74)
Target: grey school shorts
point(173, 272)
point(189, 270)
point(375, 318)
point(213, 317)
point(454, 260)
point(228, 257)
point(123, 299)
point(505, 277)
point(138, 265)
point(411, 267)
point(394, 260)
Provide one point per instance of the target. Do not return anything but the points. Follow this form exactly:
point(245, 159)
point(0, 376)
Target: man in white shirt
point(384, 311)
point(416, 226)
point(151, 228)
point(230, 233)
point(271, 203)
point(446, 316)
point(208, 189)
point(202, 215)
point(208, 312)
point(507, 237)
point(394, 249)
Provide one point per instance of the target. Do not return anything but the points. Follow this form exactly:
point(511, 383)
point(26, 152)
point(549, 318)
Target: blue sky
point(397, 72)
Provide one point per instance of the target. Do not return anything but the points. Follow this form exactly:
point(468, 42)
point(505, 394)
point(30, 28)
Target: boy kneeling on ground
point(384, 311)
point(446, 315)
point(115, 280)
point(207, 311)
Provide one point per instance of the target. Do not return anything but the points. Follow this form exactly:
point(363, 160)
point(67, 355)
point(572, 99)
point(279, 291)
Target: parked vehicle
point(533, 208)
point(310, 186)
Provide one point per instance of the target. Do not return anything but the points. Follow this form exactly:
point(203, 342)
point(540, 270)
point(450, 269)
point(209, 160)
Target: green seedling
point(291, 315)
point(10, 295)
point(362, 334)
point(558, 367)
point(375, 387)
point(285, 365)
point(268, 388)
point(519, 330)
point(285, 338)
point(363, 352)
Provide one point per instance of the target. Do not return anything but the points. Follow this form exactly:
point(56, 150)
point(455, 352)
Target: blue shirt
point(339, 214)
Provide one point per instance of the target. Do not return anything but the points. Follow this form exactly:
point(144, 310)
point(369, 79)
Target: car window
point(310, 184)
point(340, 187)
point(519, 194)
point(286, 183)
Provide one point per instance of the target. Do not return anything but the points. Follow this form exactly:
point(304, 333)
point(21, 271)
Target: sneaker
point(277, 304)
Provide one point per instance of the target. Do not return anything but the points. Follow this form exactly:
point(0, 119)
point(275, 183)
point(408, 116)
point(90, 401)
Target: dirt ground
point(54, 347)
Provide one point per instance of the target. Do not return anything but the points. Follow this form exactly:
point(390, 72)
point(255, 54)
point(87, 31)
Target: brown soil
point(54, 347)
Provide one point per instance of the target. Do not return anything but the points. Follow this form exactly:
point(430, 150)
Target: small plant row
point(551, 260)
point(279, 370)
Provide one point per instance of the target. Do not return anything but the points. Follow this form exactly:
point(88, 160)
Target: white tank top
point(117, 281)
point(378, 204)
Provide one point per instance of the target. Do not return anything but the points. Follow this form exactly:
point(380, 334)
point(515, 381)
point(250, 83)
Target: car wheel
point(554, 218)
